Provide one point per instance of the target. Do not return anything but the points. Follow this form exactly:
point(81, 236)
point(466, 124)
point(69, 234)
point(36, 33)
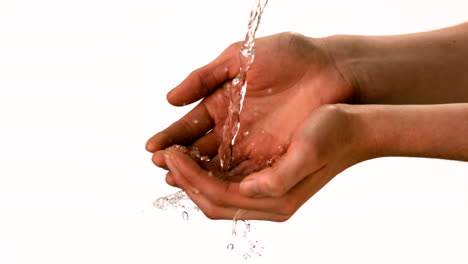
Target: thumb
point(276, 181)
point(201, 82)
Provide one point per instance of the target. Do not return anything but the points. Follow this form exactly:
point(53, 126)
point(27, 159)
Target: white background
point(82, 86)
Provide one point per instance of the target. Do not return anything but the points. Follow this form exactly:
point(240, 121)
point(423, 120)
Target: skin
point(319, 137)
point(301, 77)
point(421, 68)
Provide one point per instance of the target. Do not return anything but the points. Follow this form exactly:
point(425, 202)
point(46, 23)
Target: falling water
point(245, 246)
point(239, 87)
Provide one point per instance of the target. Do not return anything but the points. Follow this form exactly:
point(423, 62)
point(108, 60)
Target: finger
point(218, 192)
point(207, 144)
point(203, 81)
point(214, 211)
point(296, 197)
point(193, 125)
point(158, 159)
point(234, 174)
point(276, 181)
point(249, 166)
point(170, 180)
point(311, 184)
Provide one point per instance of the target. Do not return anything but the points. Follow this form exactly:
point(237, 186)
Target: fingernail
point(249, 187)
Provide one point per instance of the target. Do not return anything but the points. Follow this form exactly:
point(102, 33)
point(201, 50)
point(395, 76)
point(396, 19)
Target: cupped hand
point(291, 76)
point(330, 140)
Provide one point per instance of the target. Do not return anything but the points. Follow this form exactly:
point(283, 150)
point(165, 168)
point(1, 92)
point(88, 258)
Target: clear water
point(245, 245)
point(177, 200)
point(238, 88)
point(242, 245)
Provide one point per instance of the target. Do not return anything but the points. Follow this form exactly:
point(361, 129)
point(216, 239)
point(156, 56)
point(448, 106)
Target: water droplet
point(195, 190)
point(235, 81)
point(179, 148)
point(245, 52)
point(234, 227)
point(230, 246)
point(158, 203)
point(246, 133)
point(205, 158)
point(185, 215)
point(195, 152)
point(281, 149)
point(269, 162)
point(247, 225)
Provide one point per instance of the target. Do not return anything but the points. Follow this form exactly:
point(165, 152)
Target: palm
point(290, 77)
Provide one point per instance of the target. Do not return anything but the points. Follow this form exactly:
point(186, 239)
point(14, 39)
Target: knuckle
point(198, 76)
point(186, 125)
point(206, 80)
point(217, 200)
point(220, 196)
point(274, 186)
point(332, 109)
point(195, 74)
point(234, 47)
point(292, 39)
point(293, 35)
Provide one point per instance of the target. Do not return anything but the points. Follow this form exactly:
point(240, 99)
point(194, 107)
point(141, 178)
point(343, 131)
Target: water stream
point(239, 87)
point(243, 245)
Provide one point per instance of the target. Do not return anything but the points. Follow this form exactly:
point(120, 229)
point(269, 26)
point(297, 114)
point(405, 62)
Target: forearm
point(422, 68)
point(432, 131)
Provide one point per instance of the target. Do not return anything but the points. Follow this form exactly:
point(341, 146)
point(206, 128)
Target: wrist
point(429, 131)
point(418, 68)
point(365, 143)
point(345, 51)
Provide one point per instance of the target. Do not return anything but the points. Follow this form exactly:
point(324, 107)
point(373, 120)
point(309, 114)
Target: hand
point(291, 76)
point(330, 140)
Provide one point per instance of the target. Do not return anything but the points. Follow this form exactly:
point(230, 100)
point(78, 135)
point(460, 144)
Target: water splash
point(245, 246)
point(177, 200)
point(185, 215)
